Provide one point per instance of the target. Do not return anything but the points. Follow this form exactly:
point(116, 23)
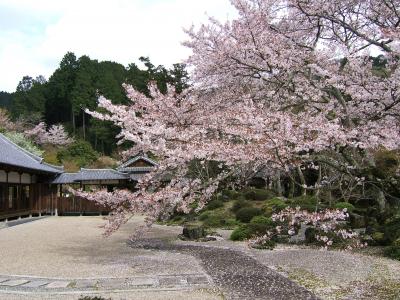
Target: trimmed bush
point(230, 195)
point(378, 237)
point(393, 251)
point(305, 202)
point(258, 194)
point(216, 218)
point(261, 220)
point(247, 213)
point(204, 215)
point(238, 204)
point(274, 205)
point(240, 233)
point(214, 204)
point(342, 205)
point(230, 223)
point(392, 229)
point(213, 221)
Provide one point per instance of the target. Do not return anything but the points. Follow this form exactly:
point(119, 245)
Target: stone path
point(237, 275)
point(38, 284)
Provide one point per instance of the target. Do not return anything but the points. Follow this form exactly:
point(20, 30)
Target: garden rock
point(193, 232)
point(357, 221)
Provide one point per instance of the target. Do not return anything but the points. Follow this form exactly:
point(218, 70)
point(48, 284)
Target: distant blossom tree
point(283, 81)
point(55, 135)
point(5, 122)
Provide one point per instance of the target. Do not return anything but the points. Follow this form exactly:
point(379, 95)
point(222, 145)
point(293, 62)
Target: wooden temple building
point(31, 187)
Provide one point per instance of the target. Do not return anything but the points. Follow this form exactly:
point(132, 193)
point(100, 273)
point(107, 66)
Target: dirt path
point(238, 275)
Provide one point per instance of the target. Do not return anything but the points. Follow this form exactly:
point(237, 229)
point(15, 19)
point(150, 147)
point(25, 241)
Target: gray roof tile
point(90, 175)
point(12, 154)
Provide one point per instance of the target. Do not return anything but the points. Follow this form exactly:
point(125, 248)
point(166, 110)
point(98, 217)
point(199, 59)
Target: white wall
point(13, 177)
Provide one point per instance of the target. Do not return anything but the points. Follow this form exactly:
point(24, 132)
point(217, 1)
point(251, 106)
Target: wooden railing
point(78, 205)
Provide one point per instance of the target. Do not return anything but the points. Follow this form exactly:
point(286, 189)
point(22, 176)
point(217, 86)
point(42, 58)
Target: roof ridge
point(30, 154)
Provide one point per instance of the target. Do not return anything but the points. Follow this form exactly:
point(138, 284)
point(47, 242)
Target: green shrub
point(261, 220)
point(392, 229)
point(258, 194)
point(230, 195)
point(213, 221)
point(238, 204)
point(247, 213)
point(342, 205)
point(214, 204)
point(240, 233)
point(304, 202)
point(80, 151)
point(378, 237)
point(274, 205)
point(204, 215)
point(230, 223)
point(216, 218)
point(393, 252)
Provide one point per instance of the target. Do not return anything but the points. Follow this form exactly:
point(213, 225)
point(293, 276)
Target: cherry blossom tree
point(329, 228)
point(55, 135)
point(284, 84)
point(5, 122)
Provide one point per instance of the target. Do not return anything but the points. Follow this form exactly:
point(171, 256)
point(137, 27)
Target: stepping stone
point(58, 285)
point(142, 281)
point(16, 282)
point(35, 284)
point(197, 280)
point(85, 284)
point(172, 281)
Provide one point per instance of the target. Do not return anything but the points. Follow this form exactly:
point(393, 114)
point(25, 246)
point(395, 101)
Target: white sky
point(35, 34)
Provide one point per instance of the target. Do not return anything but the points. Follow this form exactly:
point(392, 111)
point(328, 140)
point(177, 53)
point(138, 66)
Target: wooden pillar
point(6, 196)
point(19, 194)
point(40, 198)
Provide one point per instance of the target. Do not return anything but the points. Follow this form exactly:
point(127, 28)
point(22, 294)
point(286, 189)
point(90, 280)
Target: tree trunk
point(302, 181)
point(291, 188)
point(73, 120)
point(278, 183)
point(318, 189)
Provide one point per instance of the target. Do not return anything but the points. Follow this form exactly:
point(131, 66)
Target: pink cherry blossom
point(282, 81)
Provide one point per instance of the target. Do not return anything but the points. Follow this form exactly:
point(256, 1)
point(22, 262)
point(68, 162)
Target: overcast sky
point(35, 34)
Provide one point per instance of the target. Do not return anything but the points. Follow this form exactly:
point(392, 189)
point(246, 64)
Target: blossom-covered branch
point(283, 81)
point(55, 135)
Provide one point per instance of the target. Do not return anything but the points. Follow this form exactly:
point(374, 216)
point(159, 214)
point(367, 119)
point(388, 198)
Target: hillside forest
point(73, 87)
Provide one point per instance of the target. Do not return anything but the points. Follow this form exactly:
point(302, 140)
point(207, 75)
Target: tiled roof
point(90, 175)
point(12, 154)
point(65, 178)
point(101, 174)
point(125, 165)
point(136, 169)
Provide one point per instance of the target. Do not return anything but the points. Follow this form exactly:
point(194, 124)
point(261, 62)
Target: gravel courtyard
point(67, 257)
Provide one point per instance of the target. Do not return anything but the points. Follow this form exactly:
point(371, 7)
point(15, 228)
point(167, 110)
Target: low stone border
point(39, 284)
